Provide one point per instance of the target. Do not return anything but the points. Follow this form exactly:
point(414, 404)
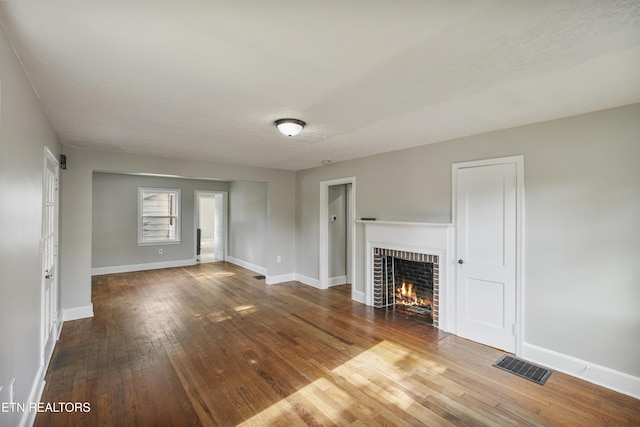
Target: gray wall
point(582, 227)
point(115, 212)
point(24, 132)
point(77, 205)
point(248, 205)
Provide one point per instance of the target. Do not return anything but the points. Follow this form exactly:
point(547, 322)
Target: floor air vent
point(259, 277)
point(523, 369)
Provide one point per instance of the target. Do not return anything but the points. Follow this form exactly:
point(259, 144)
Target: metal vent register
point(523, 369)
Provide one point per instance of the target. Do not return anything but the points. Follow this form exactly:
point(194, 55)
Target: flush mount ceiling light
point(289, 127)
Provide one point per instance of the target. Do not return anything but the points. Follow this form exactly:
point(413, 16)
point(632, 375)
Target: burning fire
point(406, 295)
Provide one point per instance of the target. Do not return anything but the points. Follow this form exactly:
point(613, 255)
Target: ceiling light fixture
point(289, 127)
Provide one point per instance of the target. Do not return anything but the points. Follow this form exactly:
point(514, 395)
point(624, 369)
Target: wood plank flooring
point(211, 345)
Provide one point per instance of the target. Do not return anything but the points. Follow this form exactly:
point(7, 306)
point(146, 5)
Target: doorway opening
point(337, 239)
point(211, 226)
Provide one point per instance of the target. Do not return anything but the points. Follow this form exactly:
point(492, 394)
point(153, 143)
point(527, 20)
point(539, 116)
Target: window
point(158, 216)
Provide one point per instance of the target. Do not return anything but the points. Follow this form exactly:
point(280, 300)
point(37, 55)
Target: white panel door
point(486, 251)
point(49, 247)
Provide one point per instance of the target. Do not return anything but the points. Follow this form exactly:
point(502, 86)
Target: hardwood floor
point(211, 345)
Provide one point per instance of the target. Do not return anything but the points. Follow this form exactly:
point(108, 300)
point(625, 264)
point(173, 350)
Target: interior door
point(49, 247)
point(486, 250)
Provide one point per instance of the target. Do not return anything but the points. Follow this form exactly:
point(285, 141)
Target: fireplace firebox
point(406, 282)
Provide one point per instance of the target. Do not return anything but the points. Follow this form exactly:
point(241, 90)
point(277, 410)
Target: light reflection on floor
point(357, 381)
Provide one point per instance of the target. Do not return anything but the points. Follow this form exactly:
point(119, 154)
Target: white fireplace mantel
point(420, 237)
point(405, 223)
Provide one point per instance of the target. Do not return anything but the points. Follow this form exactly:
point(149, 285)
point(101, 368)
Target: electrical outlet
point(278, 258)
point(12, 391)
point(160, 251)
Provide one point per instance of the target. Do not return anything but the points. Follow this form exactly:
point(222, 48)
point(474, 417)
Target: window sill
point(160, 242)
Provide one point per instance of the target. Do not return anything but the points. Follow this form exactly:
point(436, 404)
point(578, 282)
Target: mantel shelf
point(407, 223)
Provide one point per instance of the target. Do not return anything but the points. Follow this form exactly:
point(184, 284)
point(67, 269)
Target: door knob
point(48, 276)
point(460, 261)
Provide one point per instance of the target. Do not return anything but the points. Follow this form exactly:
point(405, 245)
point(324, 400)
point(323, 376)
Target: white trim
point(59, 325)
point(178, 215)
point(37, 388)
point(358, 296)
point(591, 372)
point(520, 236)
point(97, 271)
point(434, 239)
point(338, 280)
point(55, 285)
point(324, 231)
point(29, 417)
point(272, 280)
point(161, 243)
point(407, 223)
point(77, 313)
point(247, 265)
point(310, 281)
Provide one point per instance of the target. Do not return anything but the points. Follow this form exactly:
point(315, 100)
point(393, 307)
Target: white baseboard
point(59, 325)
point(357, 296)
point(600, 375)
point(29, 417)
point(77, 313)
point(338, 280)
point(272, 280)
point(247, 265)
point(307, 280)
point(140, 267)
point(37, 388)
point(269, 280)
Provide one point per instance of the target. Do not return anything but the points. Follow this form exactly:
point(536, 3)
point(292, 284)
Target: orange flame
point(406, 295)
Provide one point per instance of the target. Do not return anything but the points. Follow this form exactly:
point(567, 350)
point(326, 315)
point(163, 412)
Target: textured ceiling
point(206, 79)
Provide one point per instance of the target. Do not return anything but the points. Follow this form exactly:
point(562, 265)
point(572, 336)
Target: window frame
point(177, 215)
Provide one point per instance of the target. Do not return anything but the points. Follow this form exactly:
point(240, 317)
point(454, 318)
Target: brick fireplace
point(408, 267)
point(407, 282)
